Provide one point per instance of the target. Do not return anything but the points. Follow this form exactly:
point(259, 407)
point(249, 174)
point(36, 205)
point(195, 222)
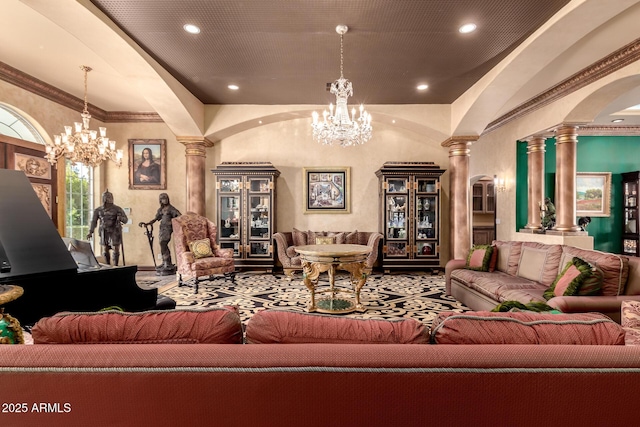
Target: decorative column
point(195, 153)
point(459, 212)
point(566, 167)
point(535, 181)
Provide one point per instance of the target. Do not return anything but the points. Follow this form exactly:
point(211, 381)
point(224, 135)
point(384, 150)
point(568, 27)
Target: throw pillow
point(201, 248)
point(220, 325)
point(352, 238)
point(530, 306)
point(570, 279)
point(479, 258)
point(299, 237)
point(288, 327)
point(592, 285)
point(324, 240)
point(525, 327)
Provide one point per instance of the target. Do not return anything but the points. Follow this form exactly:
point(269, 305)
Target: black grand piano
point(35, 257)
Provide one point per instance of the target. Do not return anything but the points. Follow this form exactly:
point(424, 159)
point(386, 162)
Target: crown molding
point(25, 81)
point(609, 64)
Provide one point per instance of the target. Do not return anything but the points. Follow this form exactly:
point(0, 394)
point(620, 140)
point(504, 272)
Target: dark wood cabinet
point(245, 211)
point(409, 215)
point(630, 234)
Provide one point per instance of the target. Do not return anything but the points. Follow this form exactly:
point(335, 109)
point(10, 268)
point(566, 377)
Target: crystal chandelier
point(84, 145)
point(339, 128)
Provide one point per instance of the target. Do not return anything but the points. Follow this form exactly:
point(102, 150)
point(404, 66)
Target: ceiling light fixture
point(339, 128)
point(617, 120)
point(423, 87)
point(233, 87)
point(190, 28)
point(467, 28)
point(84, 145)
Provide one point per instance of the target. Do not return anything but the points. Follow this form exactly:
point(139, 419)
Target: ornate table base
point(318, 259)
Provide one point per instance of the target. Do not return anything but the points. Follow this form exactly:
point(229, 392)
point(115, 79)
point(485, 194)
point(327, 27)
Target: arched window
point(78, 177)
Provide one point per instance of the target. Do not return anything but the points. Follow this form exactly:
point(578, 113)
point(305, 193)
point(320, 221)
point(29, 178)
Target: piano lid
point(31, 243)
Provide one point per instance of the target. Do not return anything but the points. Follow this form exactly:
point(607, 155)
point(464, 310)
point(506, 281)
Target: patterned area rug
point(386, 296)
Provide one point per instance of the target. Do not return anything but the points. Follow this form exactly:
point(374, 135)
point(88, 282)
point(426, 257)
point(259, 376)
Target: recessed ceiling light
point(233, 87)
point(617, 120)
point(422, 87)
point(467, 28)
point(190, 28)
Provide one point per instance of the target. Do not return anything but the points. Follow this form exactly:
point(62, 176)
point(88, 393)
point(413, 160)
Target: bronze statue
point(548, 214)
point(165, 214)
point(111, 218)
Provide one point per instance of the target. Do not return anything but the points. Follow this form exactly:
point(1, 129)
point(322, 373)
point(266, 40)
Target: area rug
point(386, 296)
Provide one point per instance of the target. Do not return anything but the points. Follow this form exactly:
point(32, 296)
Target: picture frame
point(593, 194)
point(326, 189)
point(151, 176)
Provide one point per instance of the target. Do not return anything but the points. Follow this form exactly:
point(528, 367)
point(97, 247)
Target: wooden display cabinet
point(245, 211)
point(409, 215)
point(630, 233)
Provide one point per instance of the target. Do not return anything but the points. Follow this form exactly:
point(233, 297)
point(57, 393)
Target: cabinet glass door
point(259, 217)
point(229, 227)
point(397, 225)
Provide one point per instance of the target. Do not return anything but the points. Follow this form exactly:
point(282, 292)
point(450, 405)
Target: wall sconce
point(499, 184)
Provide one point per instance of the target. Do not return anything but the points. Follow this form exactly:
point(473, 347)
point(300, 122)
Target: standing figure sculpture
point(166, 212)
point(148, 170)
point(548, 214)
point(111, 218)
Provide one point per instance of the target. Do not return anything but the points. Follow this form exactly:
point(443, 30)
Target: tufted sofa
point(288, 240)
point(525, 270)
point(318, 370)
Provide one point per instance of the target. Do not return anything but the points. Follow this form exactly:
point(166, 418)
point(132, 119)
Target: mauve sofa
point(524, 270)
point(312, 384)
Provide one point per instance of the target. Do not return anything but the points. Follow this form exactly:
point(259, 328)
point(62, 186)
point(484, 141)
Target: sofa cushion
point(615, 268)
point(288, 327)
point(570, 280)
point(352, 238)
point(485, 327)
point(630, 321)
point(479, 258)
point(220, 325)
point(494, 259)
point(508, 256)
point(299, 237)
point(539, 262)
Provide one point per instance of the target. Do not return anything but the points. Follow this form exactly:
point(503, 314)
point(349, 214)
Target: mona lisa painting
point(147, 164)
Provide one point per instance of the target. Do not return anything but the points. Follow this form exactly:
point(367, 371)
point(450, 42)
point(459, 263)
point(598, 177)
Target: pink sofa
point(337, 383)
point(525, 270)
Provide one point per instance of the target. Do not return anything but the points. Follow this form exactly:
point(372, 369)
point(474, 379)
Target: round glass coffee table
point(318, 259)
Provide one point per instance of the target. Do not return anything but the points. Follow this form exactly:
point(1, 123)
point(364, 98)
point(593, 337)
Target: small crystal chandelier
point(84, 145)
point(339, 128)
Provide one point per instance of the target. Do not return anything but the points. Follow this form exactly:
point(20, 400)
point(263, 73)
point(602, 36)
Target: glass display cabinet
point(630, 236)
point(245, 211)
point(410, 215)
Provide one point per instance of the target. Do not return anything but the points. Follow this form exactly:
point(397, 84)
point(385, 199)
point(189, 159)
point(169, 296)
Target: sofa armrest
point(609, 305)
point(452, 264)
point(282, 244)
point(373, 242)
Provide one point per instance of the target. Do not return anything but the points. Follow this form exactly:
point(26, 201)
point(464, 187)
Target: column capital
point(197, 140)
point(457, 140)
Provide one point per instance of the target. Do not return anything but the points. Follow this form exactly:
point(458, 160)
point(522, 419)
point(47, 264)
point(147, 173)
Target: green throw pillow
point(517, 306)
point(479, 258)
point(569, 281)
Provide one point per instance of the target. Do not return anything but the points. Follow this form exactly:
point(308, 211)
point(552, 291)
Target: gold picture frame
point(593, 194)
point(150, 176)
point(326, 189)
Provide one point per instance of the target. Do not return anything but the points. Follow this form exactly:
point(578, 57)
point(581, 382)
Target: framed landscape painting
point(147, 164)
point(593, 194)
point(326, 190)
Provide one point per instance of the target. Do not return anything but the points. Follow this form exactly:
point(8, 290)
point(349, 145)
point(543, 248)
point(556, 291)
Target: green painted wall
point(595, 154)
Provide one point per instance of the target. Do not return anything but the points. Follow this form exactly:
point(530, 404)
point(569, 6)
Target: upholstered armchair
point(197, 253)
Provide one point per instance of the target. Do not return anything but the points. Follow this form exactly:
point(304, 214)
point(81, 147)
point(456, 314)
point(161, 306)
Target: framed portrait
point(326, 190)
point(593, 194)
point(147, 164)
